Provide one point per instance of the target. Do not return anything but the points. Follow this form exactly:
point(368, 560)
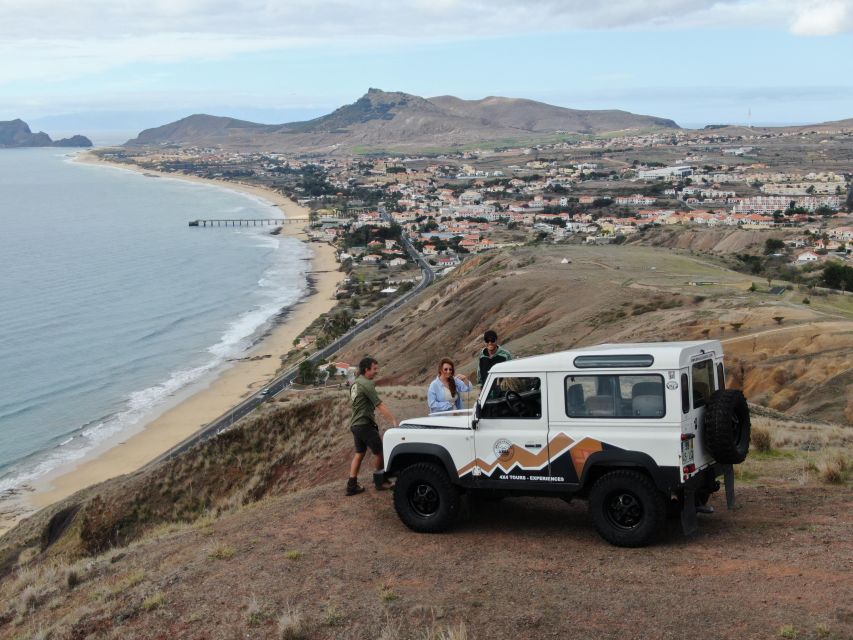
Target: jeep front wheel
point(425, 499)
point(627, 509)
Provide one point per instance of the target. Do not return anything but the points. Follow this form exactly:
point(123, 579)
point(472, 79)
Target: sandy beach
point(229, 387)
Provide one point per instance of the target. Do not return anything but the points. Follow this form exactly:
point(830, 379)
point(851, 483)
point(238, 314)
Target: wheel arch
point(404, 455)
point(665, 478)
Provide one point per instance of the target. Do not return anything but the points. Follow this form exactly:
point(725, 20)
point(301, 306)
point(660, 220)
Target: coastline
point(226, 388)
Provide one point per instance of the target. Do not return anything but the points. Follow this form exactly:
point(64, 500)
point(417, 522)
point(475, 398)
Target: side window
point(513, 397)
point(721, 376)
point(615, 396)
point(702, 374)
point(685, 394)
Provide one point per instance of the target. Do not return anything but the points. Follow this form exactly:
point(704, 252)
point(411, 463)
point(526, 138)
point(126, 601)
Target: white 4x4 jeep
point(639, 430)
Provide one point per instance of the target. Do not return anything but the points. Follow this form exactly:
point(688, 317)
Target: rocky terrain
point(16, 133)
point(382, 120)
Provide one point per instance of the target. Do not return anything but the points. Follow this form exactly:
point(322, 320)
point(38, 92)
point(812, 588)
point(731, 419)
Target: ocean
point(112, 307)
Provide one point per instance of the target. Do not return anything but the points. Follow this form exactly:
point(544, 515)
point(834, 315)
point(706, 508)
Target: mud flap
point(688, 512)
point(729, 479)
point(379, 477)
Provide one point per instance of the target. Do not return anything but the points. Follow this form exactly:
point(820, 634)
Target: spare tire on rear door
point(727, 426)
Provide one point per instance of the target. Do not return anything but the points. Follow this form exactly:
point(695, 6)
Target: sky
point(109, 67)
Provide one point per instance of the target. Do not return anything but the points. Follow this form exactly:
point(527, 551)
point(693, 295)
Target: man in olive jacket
point(365, 431)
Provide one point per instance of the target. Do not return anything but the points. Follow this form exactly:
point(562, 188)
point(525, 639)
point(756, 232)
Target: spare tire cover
point(727, 426)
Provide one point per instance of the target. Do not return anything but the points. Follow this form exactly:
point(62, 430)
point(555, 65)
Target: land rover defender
point(641, 431)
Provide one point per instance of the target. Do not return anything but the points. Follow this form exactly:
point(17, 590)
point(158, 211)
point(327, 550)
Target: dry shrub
point(72, 578)
point(254, 613)
point(834, 469)
point(391, 629)
point(28, 600)
point(440, 632)
point(292, 624)
point(760, 439)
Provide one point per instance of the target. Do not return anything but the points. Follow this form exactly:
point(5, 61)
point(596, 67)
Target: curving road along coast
point(282, 382)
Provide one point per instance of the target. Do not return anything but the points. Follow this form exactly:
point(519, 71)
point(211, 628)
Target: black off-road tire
point(727, 426)
point(425, 499)
point(627, 509)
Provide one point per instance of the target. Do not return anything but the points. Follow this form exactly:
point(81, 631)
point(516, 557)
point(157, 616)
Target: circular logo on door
point(504, 449)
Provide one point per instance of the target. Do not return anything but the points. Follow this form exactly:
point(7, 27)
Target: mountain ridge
point(383, 120)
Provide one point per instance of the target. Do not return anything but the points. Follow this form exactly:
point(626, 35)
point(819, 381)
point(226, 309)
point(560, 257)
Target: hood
point(445, 419)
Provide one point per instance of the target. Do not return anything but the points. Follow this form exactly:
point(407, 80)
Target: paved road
point(283, 382)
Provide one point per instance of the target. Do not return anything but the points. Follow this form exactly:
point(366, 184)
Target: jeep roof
point(666, 355)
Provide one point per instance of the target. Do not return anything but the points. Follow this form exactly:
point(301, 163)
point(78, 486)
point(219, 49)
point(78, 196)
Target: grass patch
point(773, 454)
point(745, 475)
point(386, 594)
point(222, 552)
point(293, 555)
point(126, 583)
point(332, 617)
point(154, 601)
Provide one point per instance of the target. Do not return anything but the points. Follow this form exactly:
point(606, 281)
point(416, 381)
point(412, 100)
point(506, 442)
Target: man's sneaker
point(353, 487)
point(704, 508)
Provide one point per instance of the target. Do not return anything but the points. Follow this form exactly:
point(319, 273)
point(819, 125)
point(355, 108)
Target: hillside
point(249, 534)
point(832, 126)
point(197, 127)
point(382, 120)
point(529, 115)
point(17, 134)
point(627, 294)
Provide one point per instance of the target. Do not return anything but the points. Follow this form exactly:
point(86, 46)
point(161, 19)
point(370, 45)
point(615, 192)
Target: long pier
point(244, 222)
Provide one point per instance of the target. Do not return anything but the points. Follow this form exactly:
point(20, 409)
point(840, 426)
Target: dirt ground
point(777, 566)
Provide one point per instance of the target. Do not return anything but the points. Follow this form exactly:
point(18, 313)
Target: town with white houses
point(583, 191)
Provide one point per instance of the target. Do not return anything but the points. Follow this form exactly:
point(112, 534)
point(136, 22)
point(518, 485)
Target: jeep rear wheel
point(627, 509)
point(425, 499)
point(727, 426)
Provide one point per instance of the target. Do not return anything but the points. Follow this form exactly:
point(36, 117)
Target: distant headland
point(16, 133)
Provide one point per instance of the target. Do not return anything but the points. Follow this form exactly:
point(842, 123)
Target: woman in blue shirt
point(445, 392)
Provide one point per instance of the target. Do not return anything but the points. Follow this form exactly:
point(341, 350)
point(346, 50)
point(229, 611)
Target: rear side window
point(702, 374)
point(615, 396)
point(685, 394)
point(721, 376)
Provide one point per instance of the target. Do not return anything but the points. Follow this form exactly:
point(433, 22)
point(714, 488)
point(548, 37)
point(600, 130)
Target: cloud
point(823, 18)
point(50, 39)
point(325, 19)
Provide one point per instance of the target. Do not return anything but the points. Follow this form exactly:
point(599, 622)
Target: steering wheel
point(515, 403)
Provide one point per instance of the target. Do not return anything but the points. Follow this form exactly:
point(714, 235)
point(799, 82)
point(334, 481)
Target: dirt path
point(521, 568)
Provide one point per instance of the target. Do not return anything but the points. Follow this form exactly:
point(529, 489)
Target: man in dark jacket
point(491, 355)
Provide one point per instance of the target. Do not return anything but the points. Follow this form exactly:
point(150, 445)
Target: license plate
point(686, 452)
